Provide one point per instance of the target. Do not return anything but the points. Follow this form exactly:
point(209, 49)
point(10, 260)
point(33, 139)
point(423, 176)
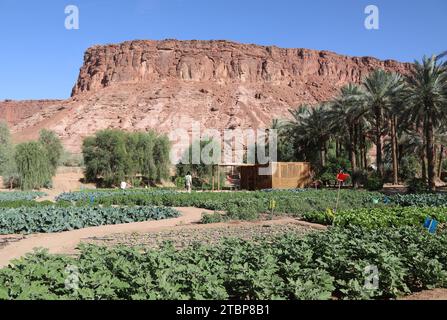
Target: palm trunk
point(378, 129)
point(352, 153)
point(322, 157)
point(394, 150)
point(431, 162)
point(441, 158)
point(424, 167)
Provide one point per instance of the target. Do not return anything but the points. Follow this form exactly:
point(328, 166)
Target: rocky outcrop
point(221, 62)
point(164, 85)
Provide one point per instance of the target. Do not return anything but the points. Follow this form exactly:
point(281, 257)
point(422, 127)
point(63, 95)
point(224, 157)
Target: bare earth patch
point(435, 294)
point(207, 234)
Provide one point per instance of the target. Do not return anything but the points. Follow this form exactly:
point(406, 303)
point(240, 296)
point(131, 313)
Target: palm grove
point(403, 116)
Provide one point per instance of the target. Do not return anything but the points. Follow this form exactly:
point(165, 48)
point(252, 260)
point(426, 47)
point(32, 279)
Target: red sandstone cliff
point(162, 85)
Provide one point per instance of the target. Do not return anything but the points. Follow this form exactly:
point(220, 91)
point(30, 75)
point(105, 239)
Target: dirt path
point(66, 242)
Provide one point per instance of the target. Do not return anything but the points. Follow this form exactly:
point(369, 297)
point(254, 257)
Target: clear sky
point(39, 58)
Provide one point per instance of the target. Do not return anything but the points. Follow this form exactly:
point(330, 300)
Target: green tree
point(201, 171)
point(380, 91)
point(427, 103)
point(53, 146)
point(112, 156)
point(33, 166)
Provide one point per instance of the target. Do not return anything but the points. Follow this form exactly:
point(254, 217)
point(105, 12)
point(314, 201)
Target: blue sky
point(39, 58)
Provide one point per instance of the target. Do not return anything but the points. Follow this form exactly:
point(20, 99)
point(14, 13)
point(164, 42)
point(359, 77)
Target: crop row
point(393, 216)
point(320, 265)
point(48, 219)
point(246, 203)
point(421, 200)
point(20, 195)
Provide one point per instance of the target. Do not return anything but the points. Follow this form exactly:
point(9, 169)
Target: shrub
point(417, 185)
point(374, 182)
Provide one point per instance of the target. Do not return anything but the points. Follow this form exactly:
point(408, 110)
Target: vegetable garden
point(368, 229)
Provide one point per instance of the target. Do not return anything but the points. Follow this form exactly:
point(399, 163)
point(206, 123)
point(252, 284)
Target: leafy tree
point(33, 166)
point(53, 146)
point(112, 156)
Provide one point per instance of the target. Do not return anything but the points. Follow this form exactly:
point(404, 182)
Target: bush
point(417, 185)
point(374, 182)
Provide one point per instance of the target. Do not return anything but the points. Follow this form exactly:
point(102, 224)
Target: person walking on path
point(188, 182)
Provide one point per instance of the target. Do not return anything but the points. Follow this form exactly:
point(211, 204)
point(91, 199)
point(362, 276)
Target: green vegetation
point(320, 265)
point(236, 204)
point(23, 195)
point(29, 165)
point(112, 156)
point(33, 166)
point(421, 200)
point(403, 116)
point(7, 165)
point(53, 146)
point(202, 172)
point(54, 219)
point(378, 217)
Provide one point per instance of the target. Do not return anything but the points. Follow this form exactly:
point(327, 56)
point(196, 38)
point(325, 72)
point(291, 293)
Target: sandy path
point(66, 242)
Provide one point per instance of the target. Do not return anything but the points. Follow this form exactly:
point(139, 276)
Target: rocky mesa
point(163, 85)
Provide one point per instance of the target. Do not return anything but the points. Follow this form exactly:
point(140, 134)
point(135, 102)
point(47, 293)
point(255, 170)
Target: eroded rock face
point(221, 62)
point(164, 85)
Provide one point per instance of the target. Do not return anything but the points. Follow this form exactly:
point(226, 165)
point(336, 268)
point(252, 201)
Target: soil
point(67, 242)
point(435, 294)
point(207, 234)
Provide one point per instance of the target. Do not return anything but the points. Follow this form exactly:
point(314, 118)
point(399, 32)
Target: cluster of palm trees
point(399, 114)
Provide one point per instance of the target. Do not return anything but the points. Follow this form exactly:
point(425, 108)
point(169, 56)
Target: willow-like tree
point(53, 146)
point(33, 166)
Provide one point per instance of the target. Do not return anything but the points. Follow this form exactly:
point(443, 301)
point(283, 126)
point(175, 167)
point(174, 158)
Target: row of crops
point(321, 265)
point(369, 230)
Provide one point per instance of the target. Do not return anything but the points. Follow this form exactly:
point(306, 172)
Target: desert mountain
point(163, 85)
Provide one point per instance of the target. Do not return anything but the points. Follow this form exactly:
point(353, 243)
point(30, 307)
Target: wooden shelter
point(281, 175)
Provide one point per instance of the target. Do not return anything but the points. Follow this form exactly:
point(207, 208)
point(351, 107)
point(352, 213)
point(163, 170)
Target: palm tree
point(310, 128)
point(380, 91)
point(344, 115)
point(427, 98)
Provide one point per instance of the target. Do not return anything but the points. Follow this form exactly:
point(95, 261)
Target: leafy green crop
point(238, 205)
point(421, 200)
point(54, 219)
point(379, 217)
point(320, 265)
point(20, 195)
